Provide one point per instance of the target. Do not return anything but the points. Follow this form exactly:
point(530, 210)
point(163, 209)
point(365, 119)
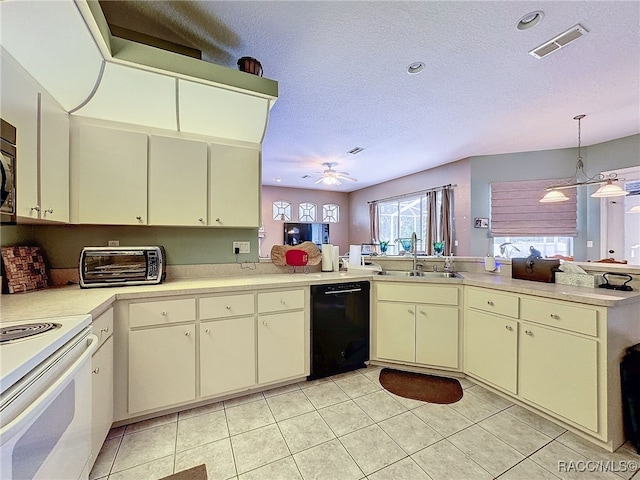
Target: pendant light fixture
point(609, 189)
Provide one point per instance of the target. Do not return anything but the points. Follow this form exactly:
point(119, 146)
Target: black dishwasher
point(339, 328)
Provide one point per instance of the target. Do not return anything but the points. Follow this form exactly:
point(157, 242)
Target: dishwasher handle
point(350, 290)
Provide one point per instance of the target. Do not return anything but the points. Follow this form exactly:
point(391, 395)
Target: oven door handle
point(50, 393)
point(338, 292)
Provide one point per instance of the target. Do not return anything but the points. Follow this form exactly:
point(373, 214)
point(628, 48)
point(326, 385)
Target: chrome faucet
point(414, 247)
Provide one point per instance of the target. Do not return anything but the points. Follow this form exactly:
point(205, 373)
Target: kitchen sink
point(404, 273)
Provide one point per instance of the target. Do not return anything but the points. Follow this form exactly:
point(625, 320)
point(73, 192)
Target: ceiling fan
point(331, 177)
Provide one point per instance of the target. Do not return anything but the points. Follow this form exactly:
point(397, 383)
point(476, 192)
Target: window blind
point(516, 210)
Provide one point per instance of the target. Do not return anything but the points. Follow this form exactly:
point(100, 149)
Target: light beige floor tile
point(340, 376)
point(563, 462)
point(409, 403)
point(192, 412)
point(280, 390)
point(473, 407)
point(527, 470)
point(145, 446)
point(380, 405)
point(147, 471)
point(289, 405)
point(328, 461)
point(442, 418)
point(372, 374)
point(443, 461)
point(258, 447)
point(325, 394)
point(356, 385)
point(152, 422)
point(486, 450)
point(345, 417)
point(411, 433)
point(616, 459)
point(217, 456)
point(116, 432)
point(248, 416)
point(244, 399)
point(489, 397)
point(466, 382)
point(284, 469)
point(305, 431)
point(543, 425)
point(201, 429)
point(522, 437)
point(104, 461)
point(372, 449)
point(405, 469)
point(314, 383)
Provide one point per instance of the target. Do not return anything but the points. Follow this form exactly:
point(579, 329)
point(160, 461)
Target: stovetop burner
point(16, 332)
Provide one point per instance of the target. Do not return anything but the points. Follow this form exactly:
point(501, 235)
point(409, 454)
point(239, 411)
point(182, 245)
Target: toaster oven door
point(113, 267)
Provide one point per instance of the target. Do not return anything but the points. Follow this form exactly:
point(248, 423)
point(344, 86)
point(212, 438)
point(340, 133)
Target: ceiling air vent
point(560, 41)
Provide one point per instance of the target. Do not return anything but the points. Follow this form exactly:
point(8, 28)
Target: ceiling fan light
point(609, 190)
point(553, 196)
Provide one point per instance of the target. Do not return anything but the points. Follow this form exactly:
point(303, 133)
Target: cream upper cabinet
point(109, 176)
point(54, 161)
point(177, 182)
point(235, 186)
point(19, 107)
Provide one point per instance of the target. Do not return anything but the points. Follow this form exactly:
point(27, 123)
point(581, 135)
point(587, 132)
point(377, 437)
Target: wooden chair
point(561, 257)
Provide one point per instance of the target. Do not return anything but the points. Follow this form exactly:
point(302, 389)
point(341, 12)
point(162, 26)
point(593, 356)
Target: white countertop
point(73, 300)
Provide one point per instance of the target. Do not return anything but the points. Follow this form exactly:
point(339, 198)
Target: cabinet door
point(281, 346)
point(395, 330)
point(111, 178)
point(54, 161)
point(491, 349)
point(227, 355)
point(235, 186)
point(559, 371)
point(437, 335)
point(177, 182)
point(101, 396)
point(19, 106)
point(162, 367)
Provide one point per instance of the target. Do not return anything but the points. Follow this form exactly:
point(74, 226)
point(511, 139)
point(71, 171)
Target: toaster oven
point(114, 266)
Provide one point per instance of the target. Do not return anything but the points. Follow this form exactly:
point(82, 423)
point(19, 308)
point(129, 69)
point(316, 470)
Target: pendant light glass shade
point(553, 196)
point(609, 190)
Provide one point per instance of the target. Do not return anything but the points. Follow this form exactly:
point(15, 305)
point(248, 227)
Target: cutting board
point(279, 253)
point(24, 268)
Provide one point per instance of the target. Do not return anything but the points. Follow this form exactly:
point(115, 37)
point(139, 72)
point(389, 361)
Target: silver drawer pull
point(410, 311)
point(206, 330)
point(138, 217)
point(529, 332)
point(228, 307)
point(49, 210)
point(282, 301)
point(36, 208)
point(186, 334)
point(265, 323)
point(105, 329)
point(490, 303)
point(508, 327)
point(201, 219)
point(163, 313)
point(96, 370)
point(555, 316)
point(422, 312)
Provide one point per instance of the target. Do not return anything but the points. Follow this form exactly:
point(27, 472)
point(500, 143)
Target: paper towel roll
point(336, 258)
point(489, 264)
point(355, 254)
point(327, 257)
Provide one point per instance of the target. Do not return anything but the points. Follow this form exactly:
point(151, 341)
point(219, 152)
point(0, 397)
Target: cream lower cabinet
point(101, 383)
point(423, 333)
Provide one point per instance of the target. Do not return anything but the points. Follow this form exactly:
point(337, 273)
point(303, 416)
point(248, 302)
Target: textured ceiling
point(341, 69)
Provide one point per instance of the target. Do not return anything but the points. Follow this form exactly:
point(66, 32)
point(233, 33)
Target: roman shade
point(517, 212)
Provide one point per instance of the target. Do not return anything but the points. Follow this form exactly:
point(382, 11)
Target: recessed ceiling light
point(415, 68)
point(530, 20)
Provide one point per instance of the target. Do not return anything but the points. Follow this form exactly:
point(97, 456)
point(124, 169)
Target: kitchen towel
point(327, 257)
point(355, 254)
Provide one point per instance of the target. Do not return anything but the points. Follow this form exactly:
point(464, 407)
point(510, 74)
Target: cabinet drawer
point(491, 301)
point(415, 293)
point(103, 326)
point(162, 313)
point(280, 301)
point(560, 315)
point(226, 306)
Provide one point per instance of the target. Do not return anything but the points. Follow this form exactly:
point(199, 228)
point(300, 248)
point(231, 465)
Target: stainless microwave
point(116, 266)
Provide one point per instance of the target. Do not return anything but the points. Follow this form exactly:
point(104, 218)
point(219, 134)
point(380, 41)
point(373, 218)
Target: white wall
point(274, 231)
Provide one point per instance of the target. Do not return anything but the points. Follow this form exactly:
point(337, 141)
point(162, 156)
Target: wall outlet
point(113, 243)
point(455, 243)
point(589, 243)
point(243, 247)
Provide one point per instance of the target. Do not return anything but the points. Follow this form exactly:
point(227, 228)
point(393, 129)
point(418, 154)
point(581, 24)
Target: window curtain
point(446, 219)
point(516, 210)
point(432, 221)
point(374, 222)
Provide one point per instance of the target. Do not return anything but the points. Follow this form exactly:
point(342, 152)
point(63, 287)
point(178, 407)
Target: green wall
point(615, 154)
point(184, 246)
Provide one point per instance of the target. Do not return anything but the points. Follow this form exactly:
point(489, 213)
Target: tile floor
point(348, 427)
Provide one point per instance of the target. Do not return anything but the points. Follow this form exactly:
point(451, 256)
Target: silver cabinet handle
point(36, 208)
point(490, 303)
point(206, 330)
point(555, 316)
point(529, 332)
point(49, 210)
point(201, 219)
point(508, 327)
point(264, 322)
point(163, 313)
point(282, 302)
point(410, 311)
point(218, 220)
point(105, 329)
point(138, 217)
point(96, 370)
point(228, 307)
point(422, 312)
point(186, 334)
